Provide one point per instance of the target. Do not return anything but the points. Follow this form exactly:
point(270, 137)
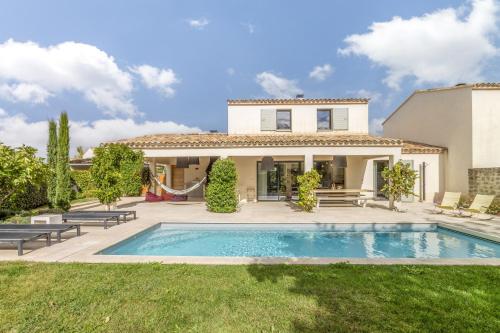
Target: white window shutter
point(267, 120)
point(341, 119)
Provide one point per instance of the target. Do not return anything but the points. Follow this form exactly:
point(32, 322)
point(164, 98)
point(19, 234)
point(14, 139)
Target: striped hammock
point(180, 192)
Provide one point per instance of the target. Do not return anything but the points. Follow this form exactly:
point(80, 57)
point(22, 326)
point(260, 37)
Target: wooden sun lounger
point(83, 217)
point(123, 213)
point(19, 238)
point(56, 228)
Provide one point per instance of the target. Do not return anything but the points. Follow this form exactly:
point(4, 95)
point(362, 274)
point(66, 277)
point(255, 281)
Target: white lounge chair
point(449, 203)
point(477, 208)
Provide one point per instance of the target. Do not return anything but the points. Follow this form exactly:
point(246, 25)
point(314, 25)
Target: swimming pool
point(402, 240)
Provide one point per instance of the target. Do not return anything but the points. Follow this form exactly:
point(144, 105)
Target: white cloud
point(374, 96)
point(32, 73)
point(24, 92)
point(230, 71)
point(16, 130)
point(320, 73)
point(3, 113)
point(199, 24)
point(444, 46)
point(276, 86)
point(376, 127)
point(250, 27)
point(157, 78)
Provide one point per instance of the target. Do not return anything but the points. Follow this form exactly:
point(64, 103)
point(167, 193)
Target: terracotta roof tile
point(308, 101)
point(217, 140)
point(410, 147)
point(222, 140)
point(486, 85)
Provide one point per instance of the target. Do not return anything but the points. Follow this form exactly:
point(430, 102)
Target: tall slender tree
point(52, 163)
point(63, 188)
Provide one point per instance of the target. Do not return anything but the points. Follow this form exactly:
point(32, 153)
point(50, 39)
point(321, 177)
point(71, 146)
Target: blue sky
point(121, 68)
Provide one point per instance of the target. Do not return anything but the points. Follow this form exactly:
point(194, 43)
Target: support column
point(168, 175)
point(308, 162)
point(391, 198)
point(153, 172)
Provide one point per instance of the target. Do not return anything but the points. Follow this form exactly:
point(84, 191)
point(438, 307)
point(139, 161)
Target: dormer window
point(283, 120)
point(324, 119)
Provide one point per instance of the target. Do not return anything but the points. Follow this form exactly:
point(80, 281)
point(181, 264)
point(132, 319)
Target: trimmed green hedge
point(31, 197)
point(220, 195)
point(83, 181)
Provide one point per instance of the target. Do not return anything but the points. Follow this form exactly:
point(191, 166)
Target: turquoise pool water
point(305, 240)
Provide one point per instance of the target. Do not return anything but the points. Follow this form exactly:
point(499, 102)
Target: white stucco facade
point(463, 119)
point(246, 119)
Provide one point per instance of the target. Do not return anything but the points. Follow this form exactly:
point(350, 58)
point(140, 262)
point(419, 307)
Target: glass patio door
point(378, 167)
point(267, 183)
point(280, 183)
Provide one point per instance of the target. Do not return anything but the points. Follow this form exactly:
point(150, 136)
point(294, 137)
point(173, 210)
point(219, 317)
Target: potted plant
point(400, 181)
point(146, 178)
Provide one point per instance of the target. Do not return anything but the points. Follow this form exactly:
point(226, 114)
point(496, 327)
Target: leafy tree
point(19, 168)
point(221, 191)
point(52, 163)
point(116, 171)
point(308, 182)
point(400, 180)
point(63, 183)
point(79, 152)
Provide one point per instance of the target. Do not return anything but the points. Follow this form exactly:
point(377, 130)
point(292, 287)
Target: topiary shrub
point(220, 195)
point(308, 182)
point(131, 168)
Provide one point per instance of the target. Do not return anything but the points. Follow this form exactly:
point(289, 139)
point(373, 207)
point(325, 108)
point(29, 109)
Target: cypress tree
point(52, 163)
point(63, 188)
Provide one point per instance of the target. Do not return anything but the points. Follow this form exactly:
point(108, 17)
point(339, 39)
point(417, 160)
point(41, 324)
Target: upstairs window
point(324, 120)
point(283, 120)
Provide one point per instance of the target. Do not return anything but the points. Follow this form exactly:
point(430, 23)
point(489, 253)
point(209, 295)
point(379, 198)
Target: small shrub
point(308, 182)
point(220, 195)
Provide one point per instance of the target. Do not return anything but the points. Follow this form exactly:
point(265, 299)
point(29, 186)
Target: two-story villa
point(272, 141)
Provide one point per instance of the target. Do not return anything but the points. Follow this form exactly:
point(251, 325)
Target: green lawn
point(183, 298)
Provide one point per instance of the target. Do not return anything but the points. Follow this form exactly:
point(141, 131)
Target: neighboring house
point(272, 141)
point(83, 163)
point(465, 119)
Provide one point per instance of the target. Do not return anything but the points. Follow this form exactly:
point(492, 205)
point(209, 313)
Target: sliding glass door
point(280, 183)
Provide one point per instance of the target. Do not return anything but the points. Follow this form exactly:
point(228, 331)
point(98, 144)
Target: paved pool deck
point(96, 238)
